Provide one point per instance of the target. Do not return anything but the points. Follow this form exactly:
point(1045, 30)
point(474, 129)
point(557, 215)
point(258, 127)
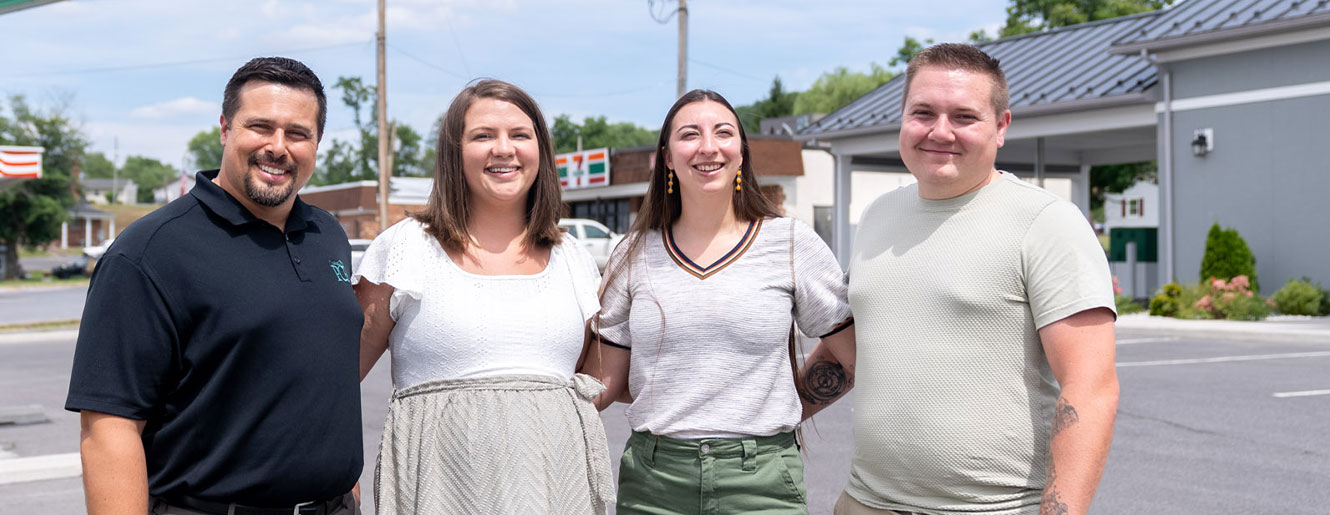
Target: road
point(41, 304)
point(1200, 429)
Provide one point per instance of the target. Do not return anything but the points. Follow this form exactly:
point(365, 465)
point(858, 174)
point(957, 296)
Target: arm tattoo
point(1064, 416)
point(1052, 504)
point(824, 382)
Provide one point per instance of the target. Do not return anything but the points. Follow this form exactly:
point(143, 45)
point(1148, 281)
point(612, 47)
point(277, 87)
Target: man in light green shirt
point(984, 306)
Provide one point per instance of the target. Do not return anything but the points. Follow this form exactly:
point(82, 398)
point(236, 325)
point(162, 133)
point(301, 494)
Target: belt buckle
point(296, 510)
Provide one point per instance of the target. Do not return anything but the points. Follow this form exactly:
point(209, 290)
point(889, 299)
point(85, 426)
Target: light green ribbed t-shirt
point(953, 393)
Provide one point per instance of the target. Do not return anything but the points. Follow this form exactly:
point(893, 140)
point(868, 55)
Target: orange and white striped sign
point(21, 162)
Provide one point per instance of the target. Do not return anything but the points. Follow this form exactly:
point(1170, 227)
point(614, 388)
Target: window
point(594, 232)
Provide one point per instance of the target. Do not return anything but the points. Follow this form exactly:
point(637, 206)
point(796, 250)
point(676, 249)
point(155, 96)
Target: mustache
point(282, 162)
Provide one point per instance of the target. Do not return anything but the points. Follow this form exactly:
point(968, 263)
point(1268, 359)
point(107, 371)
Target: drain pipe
point(1166, 171)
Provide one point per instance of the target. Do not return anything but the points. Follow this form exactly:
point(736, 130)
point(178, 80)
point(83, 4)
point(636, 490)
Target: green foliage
point(1210, 300)
point(1117, 178)
point(1026, 16)
point(97, 166)
point(1126, 305)
point(778, 103)
point(205, 149)
point(838, 87)
point(1302, 297)
point(597, 132)
point(148, 174)
point(911, 47)
point(1168, 301)
point(344, 161)
point(1227, 256)
point(32, 210)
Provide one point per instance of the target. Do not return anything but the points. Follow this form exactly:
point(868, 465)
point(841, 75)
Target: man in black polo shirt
point(217, 361)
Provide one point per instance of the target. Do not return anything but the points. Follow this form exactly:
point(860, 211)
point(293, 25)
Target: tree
point(910, 48)
point(205, 149)
point(838, 87)
point(778, 103)
point(351, 161)
point(1026, 16)
point(597, 132)
point(1116, 178)
point(148, 174)
point(31, 211)
point(97, 166)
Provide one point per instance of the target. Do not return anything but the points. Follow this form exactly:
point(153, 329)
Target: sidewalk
point(1282, 327)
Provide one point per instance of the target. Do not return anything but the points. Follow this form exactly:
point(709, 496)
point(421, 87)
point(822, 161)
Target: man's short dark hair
point(955, 56)
point(278, 70)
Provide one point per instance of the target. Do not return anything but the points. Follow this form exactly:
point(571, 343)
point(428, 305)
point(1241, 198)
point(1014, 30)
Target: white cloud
point(187, 106)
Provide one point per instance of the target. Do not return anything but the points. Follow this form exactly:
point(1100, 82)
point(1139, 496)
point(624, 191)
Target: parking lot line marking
point(1133, 341)
point(1305, 393)
point(1223, 359)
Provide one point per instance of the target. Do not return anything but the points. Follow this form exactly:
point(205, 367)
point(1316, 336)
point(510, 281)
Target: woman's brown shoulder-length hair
point(448, 212)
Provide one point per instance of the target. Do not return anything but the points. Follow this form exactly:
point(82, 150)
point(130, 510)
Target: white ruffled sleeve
point(397, 257)
point(585, 274)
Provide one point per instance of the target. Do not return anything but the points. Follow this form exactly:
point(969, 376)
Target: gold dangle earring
point(738, 181)
point(669, 185)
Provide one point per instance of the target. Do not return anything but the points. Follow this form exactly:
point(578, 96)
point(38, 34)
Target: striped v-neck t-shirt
point(709, 344)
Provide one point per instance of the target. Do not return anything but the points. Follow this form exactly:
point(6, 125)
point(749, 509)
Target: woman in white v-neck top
point(696, 313)
point(482, 303)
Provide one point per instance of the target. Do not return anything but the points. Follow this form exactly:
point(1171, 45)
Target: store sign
point(21, 162)
point(583, 169)
point(17, 5)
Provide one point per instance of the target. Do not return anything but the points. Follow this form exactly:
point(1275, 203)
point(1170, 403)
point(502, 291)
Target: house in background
point(1131, 219)
point(174, 188)
point(356, 204)
point(98, 191)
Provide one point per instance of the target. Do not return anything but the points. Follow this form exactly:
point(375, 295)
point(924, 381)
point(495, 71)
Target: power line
point(663, 17)
point(172, 64)
point(427, 63)
point(726, 70)
point(609, 94)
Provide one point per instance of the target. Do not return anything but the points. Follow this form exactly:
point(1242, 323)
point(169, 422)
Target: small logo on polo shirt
point(340, 271)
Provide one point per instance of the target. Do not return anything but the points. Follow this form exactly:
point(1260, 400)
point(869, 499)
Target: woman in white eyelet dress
point(482, 303)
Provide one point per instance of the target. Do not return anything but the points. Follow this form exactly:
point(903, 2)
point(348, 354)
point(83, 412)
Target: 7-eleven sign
point(582, 169)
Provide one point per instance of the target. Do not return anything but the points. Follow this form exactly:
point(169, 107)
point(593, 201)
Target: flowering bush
point(1232, 299)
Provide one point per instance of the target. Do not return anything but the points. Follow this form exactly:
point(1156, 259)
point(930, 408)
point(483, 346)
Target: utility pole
point(115, 170)
point(385, 167)
point(683, 49)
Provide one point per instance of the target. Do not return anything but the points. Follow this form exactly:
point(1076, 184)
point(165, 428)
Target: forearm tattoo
point(824, 382)
point(1064, 416)
point(1052, 504)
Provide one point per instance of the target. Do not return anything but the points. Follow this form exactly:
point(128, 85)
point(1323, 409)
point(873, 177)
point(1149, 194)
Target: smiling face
point(705, 150)
point(500, 152)
point(949, 132)
point(269, 146)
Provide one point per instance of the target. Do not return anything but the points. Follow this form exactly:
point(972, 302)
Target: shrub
point(1166, 302)
point(1232, 300)
point(1227, 256)
point(1127, 306)
point(1301, 297)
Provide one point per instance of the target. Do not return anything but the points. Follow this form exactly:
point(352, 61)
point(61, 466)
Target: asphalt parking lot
point(1204, 426)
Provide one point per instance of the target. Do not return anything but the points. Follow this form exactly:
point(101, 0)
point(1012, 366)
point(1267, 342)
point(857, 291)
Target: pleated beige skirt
point(495, 445)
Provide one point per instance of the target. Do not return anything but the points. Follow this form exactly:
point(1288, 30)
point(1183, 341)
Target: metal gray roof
point(1195, 19)
point(1065, 66)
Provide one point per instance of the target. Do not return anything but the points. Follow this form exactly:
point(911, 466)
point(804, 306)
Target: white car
point(597, 238)
point(96, 252)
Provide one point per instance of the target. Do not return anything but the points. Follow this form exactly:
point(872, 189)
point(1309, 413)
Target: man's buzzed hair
point(277, 70)
point(954, 56)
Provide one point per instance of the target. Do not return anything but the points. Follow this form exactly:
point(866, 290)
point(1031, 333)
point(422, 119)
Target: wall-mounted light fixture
point(1202, 142)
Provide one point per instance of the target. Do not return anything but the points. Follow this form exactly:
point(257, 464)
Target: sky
point(142, 77)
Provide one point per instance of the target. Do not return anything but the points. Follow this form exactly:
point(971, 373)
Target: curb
point(40, 468)
point(1308, 330)
point(59, 335)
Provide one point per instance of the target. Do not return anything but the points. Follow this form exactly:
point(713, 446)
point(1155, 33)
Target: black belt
point(221, 508)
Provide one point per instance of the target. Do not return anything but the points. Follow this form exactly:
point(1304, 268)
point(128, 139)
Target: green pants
point(712, 476)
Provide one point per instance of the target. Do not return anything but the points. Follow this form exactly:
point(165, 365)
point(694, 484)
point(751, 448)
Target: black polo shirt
point(237, 343)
